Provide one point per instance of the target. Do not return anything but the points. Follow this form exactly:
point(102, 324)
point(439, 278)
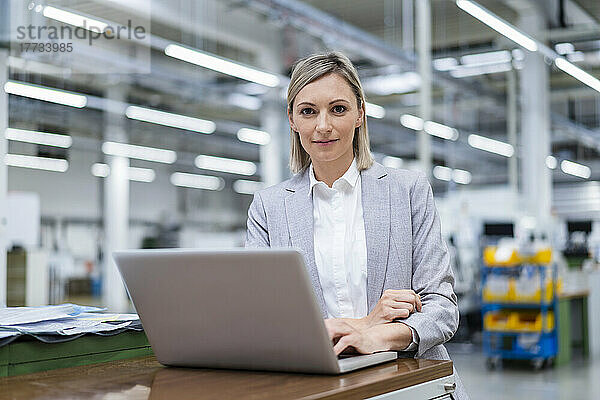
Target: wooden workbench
point(145, 378)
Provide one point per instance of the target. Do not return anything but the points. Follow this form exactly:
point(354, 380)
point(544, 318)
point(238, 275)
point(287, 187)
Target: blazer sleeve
point(432, 276)
point(257, 234)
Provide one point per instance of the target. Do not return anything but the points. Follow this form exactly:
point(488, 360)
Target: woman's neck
point(330, 171)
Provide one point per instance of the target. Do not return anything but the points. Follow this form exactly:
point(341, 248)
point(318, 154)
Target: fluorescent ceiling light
point(392, 162)
point(578, 56)
point(442, 173)
point(497, 24)
point(253, 136)
point(575, 169)
point(170, 119)
point(445, 64)
point(481, 59)
point(244, 186)
point(139, 152)
point(530, 44)
point(440, 130)
point(432, 128)
point(74, 19)
point(141, 174)
point(100, 170)
point(551, 162)
point(221, 65)
point(43, 138)
point(491, 145)
point(197, 181)
point(254, 89)
point(244, 101)
point(564, 48)
point(373, 110)
point(447, 174)
point(467, 70)
point(393, 83)
point(43, 163)
point(411, 122)
point(461, 176)
point(133, 173)
point(222, 164)
point(577, 73)
point(45, 94)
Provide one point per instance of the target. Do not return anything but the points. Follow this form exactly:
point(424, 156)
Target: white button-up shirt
point(340, 244)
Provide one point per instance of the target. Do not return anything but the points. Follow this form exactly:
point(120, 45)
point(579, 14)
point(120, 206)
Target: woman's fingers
point(419, 304)
point(389, 314)
point(337, 328)
point(403, 305)
point(343, 343)
point(405, 296)
point(398, 313)
point(394, 304)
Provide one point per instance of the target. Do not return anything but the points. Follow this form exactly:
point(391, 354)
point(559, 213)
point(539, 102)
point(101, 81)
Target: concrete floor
point(578, 380)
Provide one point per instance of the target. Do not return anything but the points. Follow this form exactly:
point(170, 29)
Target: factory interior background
point(157, 136)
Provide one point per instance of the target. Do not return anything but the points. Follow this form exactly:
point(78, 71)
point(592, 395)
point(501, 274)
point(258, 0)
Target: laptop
point(251, 309)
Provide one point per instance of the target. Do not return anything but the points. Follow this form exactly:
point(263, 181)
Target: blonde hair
point(309, 69)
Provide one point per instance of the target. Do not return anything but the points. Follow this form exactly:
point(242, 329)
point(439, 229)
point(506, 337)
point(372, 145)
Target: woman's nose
point(323, 123)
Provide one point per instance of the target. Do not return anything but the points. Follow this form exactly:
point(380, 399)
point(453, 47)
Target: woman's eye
point(339, 109)
point(306, 111)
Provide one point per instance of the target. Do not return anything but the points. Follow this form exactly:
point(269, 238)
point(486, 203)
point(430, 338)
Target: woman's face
point(325, 115)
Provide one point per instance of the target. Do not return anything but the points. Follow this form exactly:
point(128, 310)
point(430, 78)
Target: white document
point(68, 326)
point(24, 315)
point(103, 317)
point(65, 319)
point(5, 334)
point(101, 327)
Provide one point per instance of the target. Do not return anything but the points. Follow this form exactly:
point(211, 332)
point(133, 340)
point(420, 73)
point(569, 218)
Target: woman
point(370, 235)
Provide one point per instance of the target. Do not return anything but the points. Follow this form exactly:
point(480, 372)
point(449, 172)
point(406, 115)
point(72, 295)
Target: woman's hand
point(351, 335)
point(392, 305)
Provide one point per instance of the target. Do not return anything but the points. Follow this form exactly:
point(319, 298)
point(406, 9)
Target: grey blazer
point(405, 249)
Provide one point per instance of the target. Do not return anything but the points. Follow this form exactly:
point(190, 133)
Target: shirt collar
point(350, 176)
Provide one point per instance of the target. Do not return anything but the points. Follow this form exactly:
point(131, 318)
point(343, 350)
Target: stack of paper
point(64, 319)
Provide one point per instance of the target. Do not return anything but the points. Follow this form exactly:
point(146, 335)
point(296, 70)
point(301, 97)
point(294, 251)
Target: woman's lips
point(324, 142)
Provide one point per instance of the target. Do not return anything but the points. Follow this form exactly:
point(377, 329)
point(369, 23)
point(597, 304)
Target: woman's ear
point(361, 116)
point(291, 119)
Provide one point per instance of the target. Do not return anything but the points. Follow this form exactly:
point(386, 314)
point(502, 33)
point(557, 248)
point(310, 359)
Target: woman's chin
point(326, 154)
point(325, 158)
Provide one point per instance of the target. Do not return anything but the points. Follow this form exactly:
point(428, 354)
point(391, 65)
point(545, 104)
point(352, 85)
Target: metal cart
point(514, 334)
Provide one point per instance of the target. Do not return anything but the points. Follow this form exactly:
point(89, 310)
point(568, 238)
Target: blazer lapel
point(299, 214)
point(376, 215)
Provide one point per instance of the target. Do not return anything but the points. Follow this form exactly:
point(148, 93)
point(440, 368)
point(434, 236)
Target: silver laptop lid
point(237, 308)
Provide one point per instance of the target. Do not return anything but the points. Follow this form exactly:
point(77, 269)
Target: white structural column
point(274, 155)
point(3, 172)
point(511, 127)
point(116, 208)
point(423, 11)
point(535, 123)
